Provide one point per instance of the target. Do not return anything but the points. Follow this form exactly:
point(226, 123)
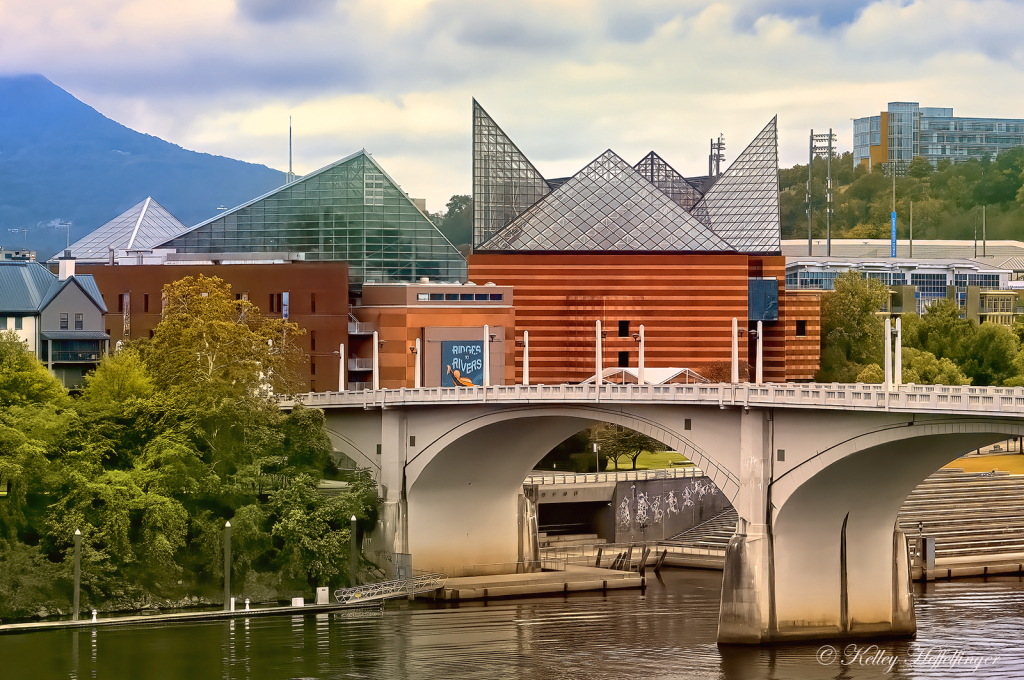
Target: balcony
point(76, 357)
point(360, 328)
point(360, 364)
point(359, 386)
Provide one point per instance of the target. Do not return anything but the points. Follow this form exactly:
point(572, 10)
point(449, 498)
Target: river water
point(666, 632)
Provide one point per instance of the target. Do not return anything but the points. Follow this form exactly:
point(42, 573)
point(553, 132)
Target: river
point(666, 632)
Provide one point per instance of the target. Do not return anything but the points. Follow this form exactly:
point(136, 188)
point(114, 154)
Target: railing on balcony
point(360, 328)
point(360, 364)
point(69, 357)
point(360, 386)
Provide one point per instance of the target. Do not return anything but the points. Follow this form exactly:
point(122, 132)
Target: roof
point(652, 375)
point(75, 335)
point(888, 263)
point(23, 285)
point(144, 226)
point(27, 287)
point(923, 248)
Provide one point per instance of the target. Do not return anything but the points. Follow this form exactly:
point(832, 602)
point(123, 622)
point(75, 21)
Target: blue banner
point(462, 363)
point(893, 237)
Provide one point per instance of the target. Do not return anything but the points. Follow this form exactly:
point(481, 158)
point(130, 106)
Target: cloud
point(273, 11)
point(566, 79)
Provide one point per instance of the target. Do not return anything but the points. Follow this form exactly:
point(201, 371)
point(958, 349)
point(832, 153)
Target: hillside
point(61, 160)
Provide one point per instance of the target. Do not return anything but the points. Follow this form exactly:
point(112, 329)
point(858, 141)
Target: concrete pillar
point(487, 355)
point(376, 361)
point(598, 358)
point(526, 357)
point(887, 349)
point(746, 615)
point(904, 622)
point(394, 438)
point(78, 575)
point(640, 362)
point(760, 353)
point(227, 566)
point(419, 365)
point(898, 372)
point(735, 352)
point(341, 367)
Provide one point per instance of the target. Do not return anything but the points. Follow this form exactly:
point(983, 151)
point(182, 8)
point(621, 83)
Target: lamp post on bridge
point(639, 337)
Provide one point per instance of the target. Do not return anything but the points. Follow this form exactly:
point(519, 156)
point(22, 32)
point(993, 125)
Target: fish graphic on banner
point(463, 363)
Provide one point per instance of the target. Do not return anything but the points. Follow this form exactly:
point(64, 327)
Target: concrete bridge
point(817, 473)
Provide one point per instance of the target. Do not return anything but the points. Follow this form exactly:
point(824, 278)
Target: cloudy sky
point(566, 79)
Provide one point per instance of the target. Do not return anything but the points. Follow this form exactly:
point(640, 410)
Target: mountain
point(63, 161)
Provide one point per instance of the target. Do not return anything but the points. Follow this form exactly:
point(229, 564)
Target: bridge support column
point(394, 526)
point(747, 612)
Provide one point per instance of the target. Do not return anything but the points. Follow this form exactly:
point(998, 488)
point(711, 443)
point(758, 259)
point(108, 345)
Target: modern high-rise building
point(907, 130)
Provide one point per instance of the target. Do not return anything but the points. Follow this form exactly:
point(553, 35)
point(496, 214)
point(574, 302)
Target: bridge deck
point(938, 399)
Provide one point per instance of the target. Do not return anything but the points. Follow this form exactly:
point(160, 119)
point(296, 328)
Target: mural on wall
point(463, 362)
point(667, 505)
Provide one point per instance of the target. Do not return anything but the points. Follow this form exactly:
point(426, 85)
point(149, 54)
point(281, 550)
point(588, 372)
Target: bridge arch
point(844, 501)
point(463, 486)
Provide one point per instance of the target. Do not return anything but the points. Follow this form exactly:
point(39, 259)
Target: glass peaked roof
point(662, 175)
point(505, 183)
point(743, 204)
point(141, 227)
point(350, 211)
point(608, 205)
point(611, 206)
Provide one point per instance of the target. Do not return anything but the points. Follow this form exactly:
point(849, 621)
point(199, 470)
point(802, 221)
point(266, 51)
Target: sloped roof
point(23, 285)
point(27, 287)
point(607, 205)
point(144, 226)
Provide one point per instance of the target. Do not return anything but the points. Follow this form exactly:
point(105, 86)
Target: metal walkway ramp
point(386, 590)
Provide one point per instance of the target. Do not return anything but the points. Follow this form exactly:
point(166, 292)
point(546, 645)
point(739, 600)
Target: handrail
point(911, 398)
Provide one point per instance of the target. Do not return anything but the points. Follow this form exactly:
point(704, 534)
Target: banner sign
point(462, 363)
point(893, 237)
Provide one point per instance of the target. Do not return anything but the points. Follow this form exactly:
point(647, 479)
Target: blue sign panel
point(462, 363)
point(893, 237)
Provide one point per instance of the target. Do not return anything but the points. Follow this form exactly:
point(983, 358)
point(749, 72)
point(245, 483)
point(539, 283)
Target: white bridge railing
point(858, 396)
point(681, 472)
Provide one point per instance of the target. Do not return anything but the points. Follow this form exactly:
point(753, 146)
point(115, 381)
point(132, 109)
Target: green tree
point(618, 442)
point(851, 327)
point(456, 223)
point(991, 357)
point(23, 378)
point(119, 377)
point(872, 373)
point(920, 168)
point(207, 335)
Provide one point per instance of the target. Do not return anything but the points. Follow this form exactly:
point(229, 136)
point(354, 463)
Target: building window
point(312, 341)
point(271, 307)
point(466, 296)
point(801, 329)
point(623, 329)
point(482, 297)
point(17, 323)
point(312, 303)
point(451, 296)
point(120, 302)
point(79, 321)
point(145, 303)
point(151, 334)
point(623, 359)
point(63, 321)
point(497, 297)
point(437, 296)
point(312, 366)
point(422, 297)
point(3, 323)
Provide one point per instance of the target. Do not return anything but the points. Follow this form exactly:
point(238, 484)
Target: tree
point(457, 221)
point(851, 328)
point(618, 442)
point(991, 357)
point(206, 335)
point(119, 377)
point(920, 167)
point(923, 368)
point(23, 378)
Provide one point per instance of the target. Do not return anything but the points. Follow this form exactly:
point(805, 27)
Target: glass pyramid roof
point(612, 206)
point(505, 183)
point(662, 175)
point(349, 211)
point(743, 204)
point(141, 227)
point(608, 205)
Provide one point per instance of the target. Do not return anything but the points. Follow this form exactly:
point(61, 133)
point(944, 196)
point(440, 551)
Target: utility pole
point(822, 144)
point(810, 166)
point(892, 234)
point(911, 229)
point(716, 156)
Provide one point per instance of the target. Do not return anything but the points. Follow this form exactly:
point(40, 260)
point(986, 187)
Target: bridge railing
point(858, 396)
point(681, 472)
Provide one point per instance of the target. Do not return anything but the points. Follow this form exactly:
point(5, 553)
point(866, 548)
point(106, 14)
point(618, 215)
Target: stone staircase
point(712, 534)
point(971, 515)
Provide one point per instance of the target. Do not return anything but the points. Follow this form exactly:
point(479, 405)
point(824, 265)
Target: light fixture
point(636, 337)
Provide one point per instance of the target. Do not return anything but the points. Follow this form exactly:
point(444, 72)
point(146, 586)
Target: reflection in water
point(667, 632)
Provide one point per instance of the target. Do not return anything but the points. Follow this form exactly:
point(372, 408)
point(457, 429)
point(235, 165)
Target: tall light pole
point(892, 234)
point(822, 144)
point(639, 337)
